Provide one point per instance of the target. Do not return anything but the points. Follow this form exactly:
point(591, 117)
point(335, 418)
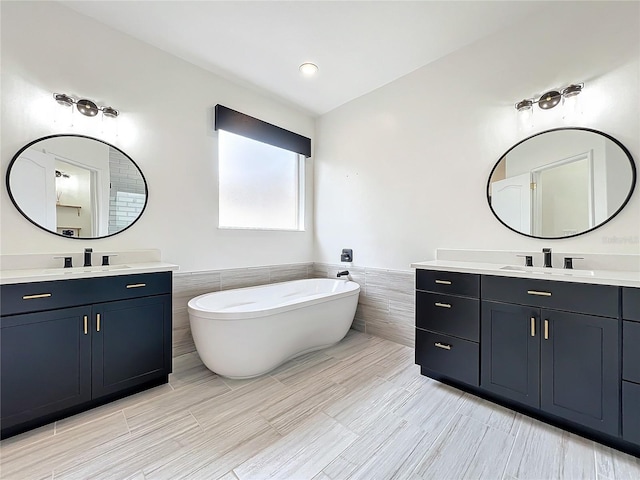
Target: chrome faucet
point(547, 257)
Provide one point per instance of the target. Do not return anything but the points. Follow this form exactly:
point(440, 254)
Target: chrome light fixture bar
point(551, 98)
point(85, 106)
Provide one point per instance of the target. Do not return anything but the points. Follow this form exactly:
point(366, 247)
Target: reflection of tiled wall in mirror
point(127, 194)
point(124, 209)
point(125, 177)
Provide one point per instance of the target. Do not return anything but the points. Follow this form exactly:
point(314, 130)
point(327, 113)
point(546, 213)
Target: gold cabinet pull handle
point(443, 346)
point(540, 294)
point(533, 326)
point(86, 325)
point(443, 282)
point(39, 295)
point(546, 329)
point(443, 305)
point(97, 322)
point(136, 285)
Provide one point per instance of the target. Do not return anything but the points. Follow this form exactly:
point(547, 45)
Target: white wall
point(166, 127)
point(403, 170)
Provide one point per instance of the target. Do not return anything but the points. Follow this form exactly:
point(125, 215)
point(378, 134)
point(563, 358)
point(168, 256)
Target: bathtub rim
point(354, 289)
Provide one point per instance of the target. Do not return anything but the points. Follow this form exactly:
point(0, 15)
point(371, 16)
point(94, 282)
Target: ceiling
point(358, 45)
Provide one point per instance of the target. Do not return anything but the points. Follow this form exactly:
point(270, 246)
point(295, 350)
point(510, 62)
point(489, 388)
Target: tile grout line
point(196, 420)
point(126, 422)
point(281, 383)
point(595, 461)
point(513, 446)
point(479, 441)
point(486, 424)
point(444, 428)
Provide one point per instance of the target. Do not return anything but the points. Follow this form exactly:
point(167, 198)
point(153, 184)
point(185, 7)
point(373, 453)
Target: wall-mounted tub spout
point(343, 273)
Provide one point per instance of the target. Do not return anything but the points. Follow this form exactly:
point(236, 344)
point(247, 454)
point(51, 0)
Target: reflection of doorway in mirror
point(511, 200)
point(563, 197)
point(74, 191)
point(33, 187)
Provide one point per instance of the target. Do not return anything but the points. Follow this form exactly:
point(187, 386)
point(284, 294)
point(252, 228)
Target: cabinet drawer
point(631, 412)
point(448, 314)
point(631, 351)
point(448, 282)
point(600, 300)
point(39, 296)
point(631, 303)
point(452, 357)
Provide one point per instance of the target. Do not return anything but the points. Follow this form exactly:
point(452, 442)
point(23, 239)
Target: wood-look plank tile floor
point(357, 410)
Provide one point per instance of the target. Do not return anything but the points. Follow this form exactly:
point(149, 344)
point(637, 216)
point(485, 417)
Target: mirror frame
point(17, 155)
point(598, 132)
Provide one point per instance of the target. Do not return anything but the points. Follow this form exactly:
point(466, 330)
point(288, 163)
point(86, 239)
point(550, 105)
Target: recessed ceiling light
point(308, 69)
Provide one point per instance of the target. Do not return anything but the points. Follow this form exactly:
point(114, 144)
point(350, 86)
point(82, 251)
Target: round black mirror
point(561, 183)
point(76, 186)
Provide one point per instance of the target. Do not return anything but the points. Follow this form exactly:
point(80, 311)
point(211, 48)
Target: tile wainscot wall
point(385, 307)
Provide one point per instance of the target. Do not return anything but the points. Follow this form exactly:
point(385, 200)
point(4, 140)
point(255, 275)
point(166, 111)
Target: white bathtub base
point(311, 350)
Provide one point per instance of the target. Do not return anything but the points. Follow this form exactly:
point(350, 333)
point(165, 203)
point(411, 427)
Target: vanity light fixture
point(551, 98)
point(85, 106)
point(110, 112)
point(308, 69)
point(62, 99)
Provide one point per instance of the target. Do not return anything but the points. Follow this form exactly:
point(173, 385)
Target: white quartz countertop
point(48, 274)
point(602, 277)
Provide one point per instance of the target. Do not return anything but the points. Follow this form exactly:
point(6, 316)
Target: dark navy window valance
point(250, 127)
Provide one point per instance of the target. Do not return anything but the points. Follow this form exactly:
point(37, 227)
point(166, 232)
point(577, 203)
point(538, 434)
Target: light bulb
point(308, 69)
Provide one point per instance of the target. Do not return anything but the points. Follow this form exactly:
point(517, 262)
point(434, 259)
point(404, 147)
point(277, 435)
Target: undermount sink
point(98, 268)
point(78, 270)
point(549, 271)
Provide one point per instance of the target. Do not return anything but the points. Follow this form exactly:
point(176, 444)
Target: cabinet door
point(131, 343)
point(45, 361)
point(510, 352)
point(631, 412)
point(580, 374)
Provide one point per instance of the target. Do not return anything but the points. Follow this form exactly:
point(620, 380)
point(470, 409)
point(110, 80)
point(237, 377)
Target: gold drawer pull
point(443, 282)
point(137, 285)
point(546, 329)
point(443, 346)
point(443, 305)
point(540, 294)
point(86, 325)
point(533, 326)
point(39, 295)
point(97, 322)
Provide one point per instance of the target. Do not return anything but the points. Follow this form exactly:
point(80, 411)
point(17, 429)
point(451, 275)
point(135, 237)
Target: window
point(261, 186)
point(261, 173)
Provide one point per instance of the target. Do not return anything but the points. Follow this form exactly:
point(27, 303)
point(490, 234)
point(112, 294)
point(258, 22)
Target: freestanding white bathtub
point(246, 332)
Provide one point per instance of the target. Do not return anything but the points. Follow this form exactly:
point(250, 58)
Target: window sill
point(259, 229)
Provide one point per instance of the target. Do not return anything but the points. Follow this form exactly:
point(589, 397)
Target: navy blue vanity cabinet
point(631, 412)
point(45, 363)
point(448, 325)
point(579, 369)
point(564, 363)
point(131, 344)
point(631, 365)
point(70, 345)
point(511, 352)
point(631, 304)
